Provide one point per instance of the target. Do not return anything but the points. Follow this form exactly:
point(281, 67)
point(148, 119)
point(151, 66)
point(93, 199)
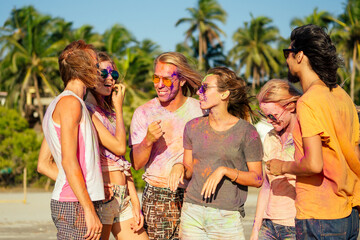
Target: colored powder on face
point(206, 77)
point(109, 69)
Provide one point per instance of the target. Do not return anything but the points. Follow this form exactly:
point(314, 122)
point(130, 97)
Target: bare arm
point(181, 170)
point(188, 163)
point(140, 153)
point(262, 201)
point(138, 216)
point(46, 164)
point(251, 178)
point(116, 144)
point(69, 121)
point(312, 162)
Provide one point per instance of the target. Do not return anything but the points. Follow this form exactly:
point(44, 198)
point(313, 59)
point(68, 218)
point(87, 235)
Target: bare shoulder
point(68, 107)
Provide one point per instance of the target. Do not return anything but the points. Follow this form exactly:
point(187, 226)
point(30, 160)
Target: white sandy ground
point(32, 221)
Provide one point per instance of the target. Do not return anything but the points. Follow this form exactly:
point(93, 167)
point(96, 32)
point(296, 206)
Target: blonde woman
point(275, 211)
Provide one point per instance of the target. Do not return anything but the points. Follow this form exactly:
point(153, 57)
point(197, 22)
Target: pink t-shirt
point(281, 204)
point(168, 150)
point(109, 161)
point(87, 154)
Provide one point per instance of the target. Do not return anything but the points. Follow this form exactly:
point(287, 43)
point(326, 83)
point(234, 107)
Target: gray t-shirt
point(211, 149)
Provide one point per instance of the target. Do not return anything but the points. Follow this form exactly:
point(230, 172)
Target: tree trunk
point(37, 93)
point(353, 69)
point(200, 51)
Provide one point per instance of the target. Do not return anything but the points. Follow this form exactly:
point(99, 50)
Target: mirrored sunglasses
point(166, 80)
point(114, 74)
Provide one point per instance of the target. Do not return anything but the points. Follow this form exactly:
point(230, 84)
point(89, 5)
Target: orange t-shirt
point(332, 193)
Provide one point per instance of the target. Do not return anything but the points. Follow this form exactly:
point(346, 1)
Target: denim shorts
point(339, 229)
point(201, 222)
point(272, 231)
point(118, 209)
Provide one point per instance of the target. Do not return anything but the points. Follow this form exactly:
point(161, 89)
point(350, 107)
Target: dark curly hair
point(321, 52)
point(239, 104)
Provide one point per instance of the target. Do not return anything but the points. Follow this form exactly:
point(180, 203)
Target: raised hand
point(154, 132)
point(118, 95)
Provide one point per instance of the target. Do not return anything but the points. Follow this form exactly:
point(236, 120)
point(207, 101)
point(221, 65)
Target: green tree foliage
point(19, 148)
point(347, 37)
point(322, 19)
point(31, 53)
point(202, 20)
point(253, 49)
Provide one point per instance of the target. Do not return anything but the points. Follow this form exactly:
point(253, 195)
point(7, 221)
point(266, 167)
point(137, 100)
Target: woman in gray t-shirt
point(222, 156)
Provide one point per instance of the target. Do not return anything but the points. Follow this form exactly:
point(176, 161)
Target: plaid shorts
point(162, 209)
point(69, 219)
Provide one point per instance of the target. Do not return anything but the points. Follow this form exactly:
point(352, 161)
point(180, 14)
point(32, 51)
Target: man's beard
point(292, 78)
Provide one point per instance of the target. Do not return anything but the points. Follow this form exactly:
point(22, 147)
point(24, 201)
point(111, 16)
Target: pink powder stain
point(254, 135)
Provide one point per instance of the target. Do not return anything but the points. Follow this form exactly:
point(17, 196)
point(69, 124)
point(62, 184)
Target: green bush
point(19, 148)
point(137, 175)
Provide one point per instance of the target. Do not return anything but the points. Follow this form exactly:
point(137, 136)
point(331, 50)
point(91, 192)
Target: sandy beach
point(32, 221)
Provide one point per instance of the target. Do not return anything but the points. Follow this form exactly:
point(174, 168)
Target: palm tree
point(202, 21)
point(348, 38)
point(30, 53)
point(322, 19)
point(253, 49)
point(136, 64)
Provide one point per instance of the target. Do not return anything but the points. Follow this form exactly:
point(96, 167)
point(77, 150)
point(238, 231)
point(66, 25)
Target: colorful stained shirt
point(280, 207)
point(87, 154)
point(211, 149)
point(168, 150)
point(332, 193)
point(109, 161)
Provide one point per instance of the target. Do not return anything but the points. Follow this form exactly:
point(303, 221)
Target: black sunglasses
point(114, 74)
point(271, 116)
point(287, 51)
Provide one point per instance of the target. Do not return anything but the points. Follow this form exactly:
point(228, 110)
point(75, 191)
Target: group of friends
point(200, 156)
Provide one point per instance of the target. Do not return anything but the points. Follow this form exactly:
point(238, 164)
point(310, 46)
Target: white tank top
point(87, 154)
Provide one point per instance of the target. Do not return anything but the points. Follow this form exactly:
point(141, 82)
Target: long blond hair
point(185, 71)
point(278, 91)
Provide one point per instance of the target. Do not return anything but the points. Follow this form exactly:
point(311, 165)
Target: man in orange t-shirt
point(326, 144)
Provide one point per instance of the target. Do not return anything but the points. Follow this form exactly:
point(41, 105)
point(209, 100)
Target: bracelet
point(237, 174)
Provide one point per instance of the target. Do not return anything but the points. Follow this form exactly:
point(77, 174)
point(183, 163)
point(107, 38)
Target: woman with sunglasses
point(125, 221)
point(222, 157)
point(275, 211)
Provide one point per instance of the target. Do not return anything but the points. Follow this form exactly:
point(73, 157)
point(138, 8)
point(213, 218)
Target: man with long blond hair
point(156, 141)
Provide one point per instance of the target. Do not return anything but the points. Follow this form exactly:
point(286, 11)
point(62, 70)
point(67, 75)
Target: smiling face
point(105, 86)
point(167, 94)
point(281, 113)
